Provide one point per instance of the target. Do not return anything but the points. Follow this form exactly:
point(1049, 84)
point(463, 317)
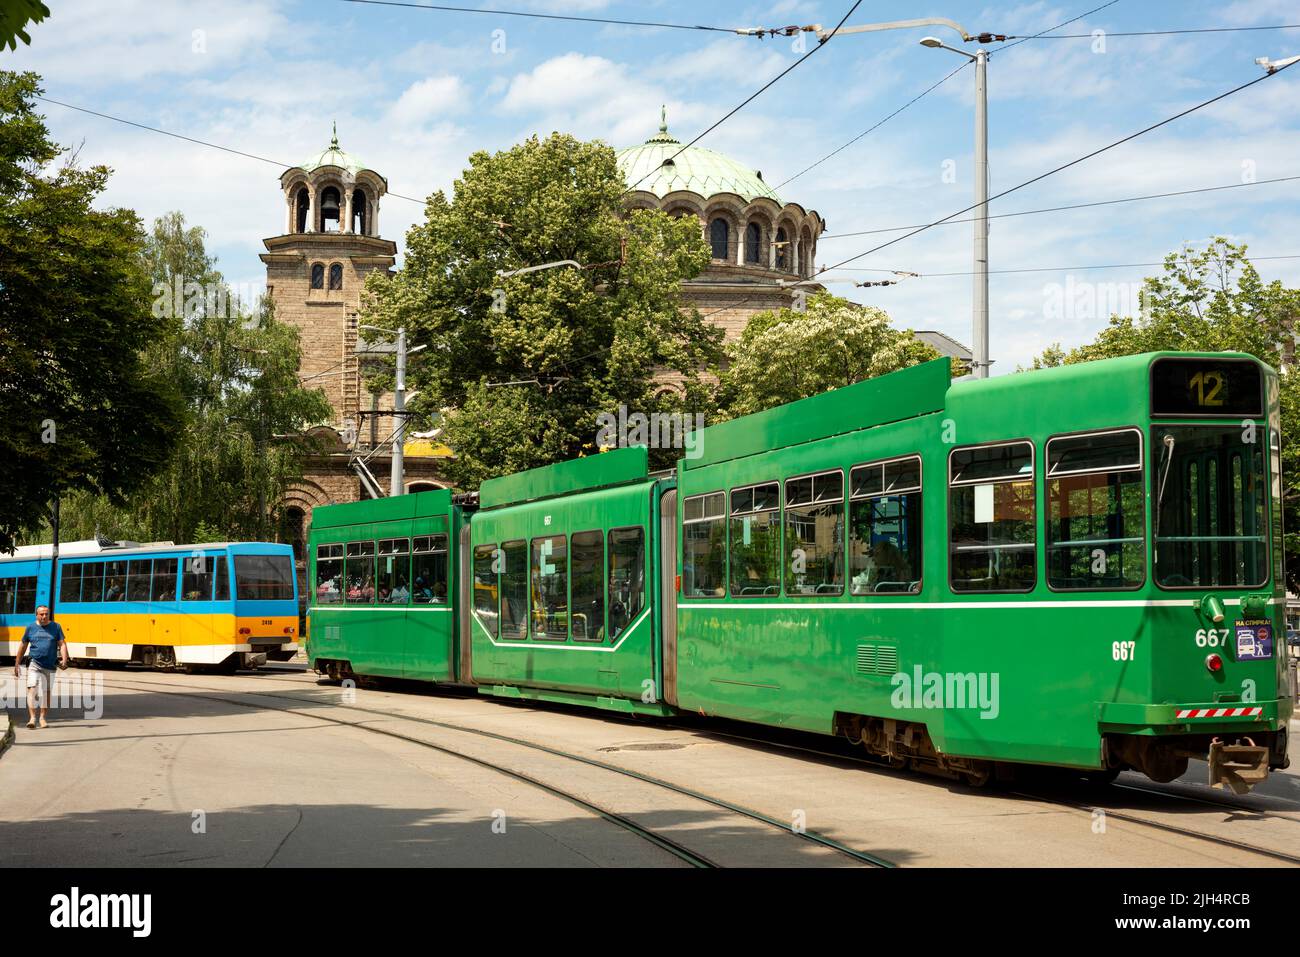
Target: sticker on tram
point(1254, 639)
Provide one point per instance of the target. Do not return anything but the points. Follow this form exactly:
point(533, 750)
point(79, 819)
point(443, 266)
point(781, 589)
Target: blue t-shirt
point(43, 643)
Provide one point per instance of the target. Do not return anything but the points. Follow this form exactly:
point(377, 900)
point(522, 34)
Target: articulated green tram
point(1078, 567)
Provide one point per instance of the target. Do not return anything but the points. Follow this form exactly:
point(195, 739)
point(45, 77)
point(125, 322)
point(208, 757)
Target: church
point(763, 251)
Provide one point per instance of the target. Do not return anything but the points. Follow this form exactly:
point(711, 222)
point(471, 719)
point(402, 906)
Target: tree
point(241, 444)
point(14, 17)
point(522, 366)
point(786, 354)
point(81, 408)
point(1213, 300)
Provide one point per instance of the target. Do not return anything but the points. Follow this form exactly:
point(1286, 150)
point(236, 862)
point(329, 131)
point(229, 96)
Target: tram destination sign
point(1207, 387)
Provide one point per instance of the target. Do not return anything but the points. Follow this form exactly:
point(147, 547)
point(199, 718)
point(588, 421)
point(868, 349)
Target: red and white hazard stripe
point(1220, 712)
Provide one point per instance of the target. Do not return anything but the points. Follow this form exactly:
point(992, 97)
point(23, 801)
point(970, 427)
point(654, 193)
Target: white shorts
point(42, 680)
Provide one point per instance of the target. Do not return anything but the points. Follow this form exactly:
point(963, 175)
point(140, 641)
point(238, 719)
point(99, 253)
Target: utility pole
point(980, 299)
point(396, 484)
point(981, 292)
point(54, 554)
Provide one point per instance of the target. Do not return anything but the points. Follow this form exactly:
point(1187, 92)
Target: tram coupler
point(1237, 766)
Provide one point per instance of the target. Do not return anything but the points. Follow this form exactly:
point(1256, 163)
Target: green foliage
point(14, 17)
point(786, 355)
point(82, 410)
point(522, 366)
point(240, 447)
point(1213, 300)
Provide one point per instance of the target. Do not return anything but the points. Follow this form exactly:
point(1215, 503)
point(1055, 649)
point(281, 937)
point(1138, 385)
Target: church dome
point(334, 155)
point(694, 169)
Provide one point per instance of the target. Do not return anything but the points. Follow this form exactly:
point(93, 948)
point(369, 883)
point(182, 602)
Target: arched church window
point(359, 212)
point(782, 250)
point(302, 203)
point(753, 243)
point(329, 210)
point(719, 238)
point(318, 276)
point(336, 276)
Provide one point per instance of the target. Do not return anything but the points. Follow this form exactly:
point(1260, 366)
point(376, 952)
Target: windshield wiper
point(1167, 454)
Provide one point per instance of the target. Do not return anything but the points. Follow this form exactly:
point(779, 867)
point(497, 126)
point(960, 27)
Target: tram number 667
point(1123, 650)
point(1211, 637)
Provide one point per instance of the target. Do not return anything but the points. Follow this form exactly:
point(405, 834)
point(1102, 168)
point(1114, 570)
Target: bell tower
point(316, 268)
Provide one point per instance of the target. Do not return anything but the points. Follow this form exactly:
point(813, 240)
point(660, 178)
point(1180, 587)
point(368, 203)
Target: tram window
point(626, 577)
point(329, 574)
point(814, 534)
point(756, 541)
point(885, 527)
point(704, 545)
point(394, 582)
point(359, 573)
point(550, 588)
point(70, 585)
point(221, 587)
point(1210, 521)
point(265, 577)
point(485, 587)
point(8, 589)
point(115, 581)
point(196, 577)
point(429, 570)
point(991, 535)
point(138, 573)
point(1095, 520)
point(514, 589)
point(164, 579)
point(92, 581)
point(25, 599)
point(588, 586)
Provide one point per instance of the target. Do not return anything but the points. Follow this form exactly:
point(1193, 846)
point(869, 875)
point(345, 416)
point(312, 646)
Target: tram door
point(668, 591)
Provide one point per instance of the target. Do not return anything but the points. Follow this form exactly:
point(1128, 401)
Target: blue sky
point(416, 92)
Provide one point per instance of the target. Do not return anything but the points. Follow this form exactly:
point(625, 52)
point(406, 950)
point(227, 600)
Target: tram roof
point(904, 394)
point(615, 467)
point(91, 548)
point(394, 508)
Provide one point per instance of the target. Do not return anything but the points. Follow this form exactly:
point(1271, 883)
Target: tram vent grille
point(877, 659)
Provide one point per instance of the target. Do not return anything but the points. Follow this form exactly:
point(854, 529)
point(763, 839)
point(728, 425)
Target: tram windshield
point(1211, 519)
point(263, 578)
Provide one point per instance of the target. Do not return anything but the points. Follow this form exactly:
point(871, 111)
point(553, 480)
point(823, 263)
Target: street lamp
point(980, 306)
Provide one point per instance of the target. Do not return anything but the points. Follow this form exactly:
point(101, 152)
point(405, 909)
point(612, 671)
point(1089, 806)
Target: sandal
point(31, 724)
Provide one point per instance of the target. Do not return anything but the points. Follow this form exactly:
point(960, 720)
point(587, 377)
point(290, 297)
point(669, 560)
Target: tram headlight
point(1212, 608)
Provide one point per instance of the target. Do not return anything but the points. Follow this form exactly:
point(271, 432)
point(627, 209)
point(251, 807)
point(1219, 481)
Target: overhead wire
point(1057, 209)
point(1064, 166)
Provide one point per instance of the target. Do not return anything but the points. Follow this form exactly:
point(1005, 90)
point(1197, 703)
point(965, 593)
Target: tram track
point(824, 753)
point(670, 845)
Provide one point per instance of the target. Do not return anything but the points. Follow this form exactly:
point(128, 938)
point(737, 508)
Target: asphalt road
point(278, 769)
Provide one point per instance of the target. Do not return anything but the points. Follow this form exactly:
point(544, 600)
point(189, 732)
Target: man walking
point(49, 652)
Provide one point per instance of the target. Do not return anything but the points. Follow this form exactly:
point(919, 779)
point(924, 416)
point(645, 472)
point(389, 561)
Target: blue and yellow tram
point(216, 605)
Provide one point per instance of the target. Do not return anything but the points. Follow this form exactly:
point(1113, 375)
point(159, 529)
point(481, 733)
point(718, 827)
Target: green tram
point(1076, 567)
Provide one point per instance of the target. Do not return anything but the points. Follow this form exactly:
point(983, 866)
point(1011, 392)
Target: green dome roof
point(334, 156)
point(695, 168)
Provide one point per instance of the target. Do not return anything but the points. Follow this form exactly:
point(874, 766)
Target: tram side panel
point(560, 599)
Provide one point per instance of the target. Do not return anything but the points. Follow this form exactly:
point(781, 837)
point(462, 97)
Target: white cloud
point(427, 98)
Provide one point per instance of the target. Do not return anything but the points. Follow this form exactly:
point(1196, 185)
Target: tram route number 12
point(1123, 650)
point(1207, 386)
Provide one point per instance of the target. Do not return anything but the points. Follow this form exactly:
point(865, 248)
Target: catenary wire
point(191, 139)
point(1064, 166)
point(1057, 209)
point(438, 8)
point(749, 99)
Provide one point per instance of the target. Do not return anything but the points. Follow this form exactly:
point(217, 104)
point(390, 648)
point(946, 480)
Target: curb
point(8, 738)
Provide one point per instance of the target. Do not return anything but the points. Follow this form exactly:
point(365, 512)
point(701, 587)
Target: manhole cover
point(645, 747)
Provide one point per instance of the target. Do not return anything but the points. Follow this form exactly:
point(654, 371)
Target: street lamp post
point(980, 298)
point(396, 479)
